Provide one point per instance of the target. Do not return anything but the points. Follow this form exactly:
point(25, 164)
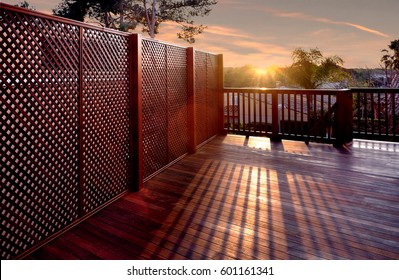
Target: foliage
point(390, 60)
point(310, 69)
point(72, 9)
point(149, 14)
point(26, 5)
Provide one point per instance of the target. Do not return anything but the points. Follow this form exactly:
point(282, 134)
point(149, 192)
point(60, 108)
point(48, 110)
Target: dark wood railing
point(332, 116)
point(376, 114)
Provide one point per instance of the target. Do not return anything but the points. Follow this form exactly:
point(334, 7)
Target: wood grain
point(249, 198)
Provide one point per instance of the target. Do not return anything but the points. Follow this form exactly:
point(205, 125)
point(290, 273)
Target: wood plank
point(249, 198)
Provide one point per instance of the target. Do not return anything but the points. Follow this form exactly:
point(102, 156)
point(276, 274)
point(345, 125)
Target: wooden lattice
point(155, 122)
point(67, 109)
point(206, 99)
point(105, 117)
point(201, 96)
point(164, 105)
point(39, 134)
point(177, 102)
point(65, 133)
point(212, 94)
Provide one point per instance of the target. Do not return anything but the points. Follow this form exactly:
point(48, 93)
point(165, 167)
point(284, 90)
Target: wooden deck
point(248, 198)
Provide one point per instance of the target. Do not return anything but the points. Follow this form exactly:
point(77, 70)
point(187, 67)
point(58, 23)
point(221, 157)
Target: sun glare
point(261, 71)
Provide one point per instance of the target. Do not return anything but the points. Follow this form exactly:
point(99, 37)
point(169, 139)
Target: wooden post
point(135, 111)
point(191, 100)
point(344, 118)
point(220, 109)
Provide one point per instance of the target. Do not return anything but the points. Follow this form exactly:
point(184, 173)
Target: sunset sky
point(264, 33)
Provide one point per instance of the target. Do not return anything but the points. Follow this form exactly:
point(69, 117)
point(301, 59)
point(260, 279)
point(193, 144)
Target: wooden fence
point(88, 114)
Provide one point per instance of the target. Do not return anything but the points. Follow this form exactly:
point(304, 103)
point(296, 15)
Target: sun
point(261, 71)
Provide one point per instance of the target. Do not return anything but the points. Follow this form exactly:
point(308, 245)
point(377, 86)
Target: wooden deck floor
point(247, 198)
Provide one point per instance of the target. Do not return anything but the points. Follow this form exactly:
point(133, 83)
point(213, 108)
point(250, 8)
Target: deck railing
point(87, 114)
point(376, 114)
point(332, 116)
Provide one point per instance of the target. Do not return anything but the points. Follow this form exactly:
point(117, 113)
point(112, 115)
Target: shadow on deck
point(249, 198)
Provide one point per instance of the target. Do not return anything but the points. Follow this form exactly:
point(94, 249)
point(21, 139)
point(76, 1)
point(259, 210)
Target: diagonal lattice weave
point(177, 102)
point(155, 123)
point(206, 84)
point(212, 94)
point(65, 120)
point(39, 133)
point(54, 171)
point(164, 105)
point(105, 117)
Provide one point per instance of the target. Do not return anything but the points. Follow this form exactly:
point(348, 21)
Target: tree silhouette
point(150, 14)
point(310, 69)
point(390, 60)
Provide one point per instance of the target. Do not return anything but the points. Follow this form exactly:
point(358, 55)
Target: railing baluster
point(289, 113)
point(266, 97)
point(281, 111)
point(393, 117)
point(386, 114)
point(250, 129)
point(243, 111)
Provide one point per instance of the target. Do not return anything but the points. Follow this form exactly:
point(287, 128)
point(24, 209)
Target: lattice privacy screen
point(206, 95)
point(164, 95)
point(65, 118)
point(105, 117)
point(41, 162)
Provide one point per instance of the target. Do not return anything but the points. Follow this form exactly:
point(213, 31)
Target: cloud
point(225, 31)
point(301, 16)
point(262, 48)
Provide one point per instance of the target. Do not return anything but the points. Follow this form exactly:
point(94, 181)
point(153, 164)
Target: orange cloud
point(302, 16)
point(263, 48)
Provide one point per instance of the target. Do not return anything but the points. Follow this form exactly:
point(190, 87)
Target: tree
point(181, 12)
point(26, 5)
point(72, 9)
point(390, 60)
point(150, 14)
point(310, 69)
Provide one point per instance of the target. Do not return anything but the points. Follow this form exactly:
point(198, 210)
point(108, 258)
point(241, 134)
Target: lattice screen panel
point(105, 117)
point(206, 85)
point(39, 129)
point(201, 96)
point(65, 120)
point(154, 99)
point(212, 94)
point(177, 102)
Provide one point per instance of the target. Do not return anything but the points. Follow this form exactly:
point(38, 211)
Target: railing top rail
point(163, 42)
point(176, 45)
point(376, 90)
point(311, 91)
point(284, 90)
